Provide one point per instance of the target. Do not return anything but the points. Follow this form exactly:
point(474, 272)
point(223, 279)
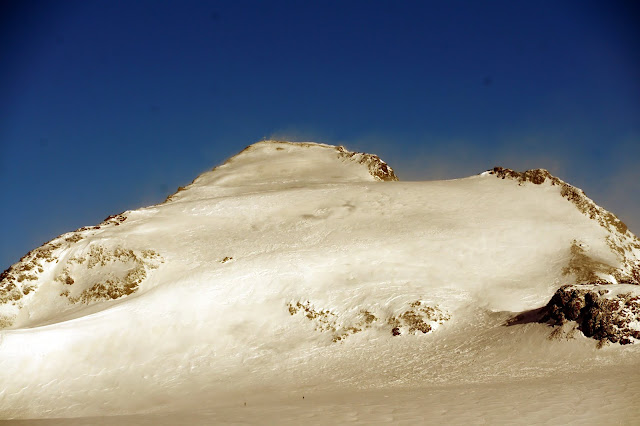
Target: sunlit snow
point(292, 271)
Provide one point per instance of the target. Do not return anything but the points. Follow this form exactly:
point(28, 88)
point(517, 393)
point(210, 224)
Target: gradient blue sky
point(111, 105)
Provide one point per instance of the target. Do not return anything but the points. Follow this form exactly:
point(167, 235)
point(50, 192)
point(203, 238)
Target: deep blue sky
point(110, 105)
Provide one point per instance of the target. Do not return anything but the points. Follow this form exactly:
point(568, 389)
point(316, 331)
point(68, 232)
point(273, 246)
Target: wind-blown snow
point(295, 269)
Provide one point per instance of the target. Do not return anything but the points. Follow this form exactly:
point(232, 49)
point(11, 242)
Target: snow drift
point(306, 266)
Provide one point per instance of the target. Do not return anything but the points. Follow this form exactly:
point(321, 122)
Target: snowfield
point(301, 269)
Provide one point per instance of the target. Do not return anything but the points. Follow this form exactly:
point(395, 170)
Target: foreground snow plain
point(292, 270)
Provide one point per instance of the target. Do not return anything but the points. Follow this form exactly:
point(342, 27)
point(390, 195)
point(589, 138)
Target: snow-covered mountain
point(306, 267)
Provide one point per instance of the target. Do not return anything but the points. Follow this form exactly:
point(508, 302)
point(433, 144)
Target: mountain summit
point(299, 266)
point(269, 165)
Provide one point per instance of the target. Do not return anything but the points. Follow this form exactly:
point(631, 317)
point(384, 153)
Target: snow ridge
point(297, 267)
point(56, 265)
point(621, 240)
point(379, 169)
point(109, 272)
point(273, 163)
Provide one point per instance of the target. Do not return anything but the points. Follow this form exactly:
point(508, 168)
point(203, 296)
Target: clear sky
point(107, 106)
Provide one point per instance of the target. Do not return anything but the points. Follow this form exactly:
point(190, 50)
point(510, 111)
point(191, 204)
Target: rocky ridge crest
point(622, 242)
point(54, 266)
point(376, 167)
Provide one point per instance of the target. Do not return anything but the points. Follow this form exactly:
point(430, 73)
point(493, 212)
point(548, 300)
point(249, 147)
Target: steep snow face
point(297, 265)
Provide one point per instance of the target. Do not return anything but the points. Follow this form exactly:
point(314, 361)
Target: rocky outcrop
point(535, 176)
point(417, 318)
point(123, 270)
point(607, 313)
point(71, 265)
point(21, 278)
point(377, 168)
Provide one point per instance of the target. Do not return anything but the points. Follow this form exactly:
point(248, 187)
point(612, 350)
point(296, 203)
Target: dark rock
point(600, 313)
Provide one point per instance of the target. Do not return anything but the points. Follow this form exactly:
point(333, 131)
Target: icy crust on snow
point(620, 239)
point(271, 164)
point(608, 313)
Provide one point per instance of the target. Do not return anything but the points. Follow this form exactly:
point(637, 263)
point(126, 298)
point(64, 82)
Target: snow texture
point(302, 269)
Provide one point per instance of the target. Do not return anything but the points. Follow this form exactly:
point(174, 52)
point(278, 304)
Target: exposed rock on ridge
point(622, 242)
point(59, 262)
point(378, 168)
point(586, 205)
point(329, 156)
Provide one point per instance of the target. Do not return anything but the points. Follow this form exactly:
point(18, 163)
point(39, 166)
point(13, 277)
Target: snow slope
point(305, 268)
